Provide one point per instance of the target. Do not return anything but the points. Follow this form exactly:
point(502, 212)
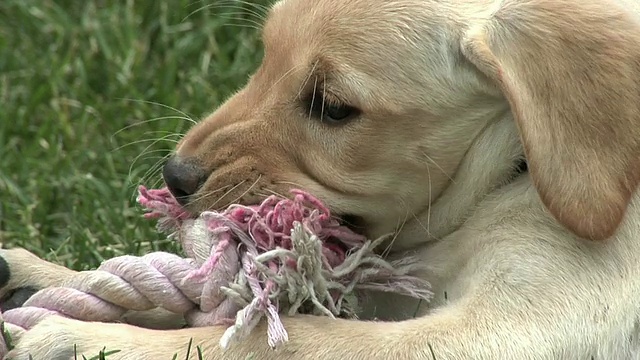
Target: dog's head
point(372, 105)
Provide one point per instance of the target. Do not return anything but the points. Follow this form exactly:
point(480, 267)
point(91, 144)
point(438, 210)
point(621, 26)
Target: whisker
point(415, 217)
point(254, 10)
point(273, 192)
point(167, 138)
point(438, 166)
point(145, 152)
point(139, 123)
point(258, 6)
point(285, 75)
point(251, 16)
point(399, 228)
point(283, 182)
point(313, 98)
point(227, 193)
point(246, 191)
point(306, 81)
point(149, 102)
point(149, 174)
point(427, 229)
point(430, 199)
point(209, 193)
point(158, 183)
point(242, 10)
point(235, 16)
point(154, 170)
point(324, 91)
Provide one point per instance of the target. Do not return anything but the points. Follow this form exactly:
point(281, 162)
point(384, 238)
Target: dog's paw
point(61, 338)
point(52, 338)
point(22, 274)
point(14, 298)
point(13, 288)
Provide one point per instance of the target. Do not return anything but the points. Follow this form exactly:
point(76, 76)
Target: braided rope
point(244, 263)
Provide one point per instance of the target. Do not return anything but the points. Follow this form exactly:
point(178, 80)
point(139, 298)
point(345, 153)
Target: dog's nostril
point(182, 178)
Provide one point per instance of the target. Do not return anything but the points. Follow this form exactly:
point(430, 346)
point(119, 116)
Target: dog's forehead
point(363, 47)
point(353, 25)
point(362, 34)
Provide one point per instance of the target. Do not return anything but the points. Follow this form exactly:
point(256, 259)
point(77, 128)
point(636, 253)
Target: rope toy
point(282, 256)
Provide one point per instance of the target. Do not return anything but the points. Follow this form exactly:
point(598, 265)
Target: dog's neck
point(485, 168)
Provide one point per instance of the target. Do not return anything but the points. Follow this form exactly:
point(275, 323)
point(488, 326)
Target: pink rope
point(242, 264)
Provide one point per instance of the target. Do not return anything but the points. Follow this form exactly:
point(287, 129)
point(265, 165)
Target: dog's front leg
point(310, 337)
point(466, 331)
point(23, 273)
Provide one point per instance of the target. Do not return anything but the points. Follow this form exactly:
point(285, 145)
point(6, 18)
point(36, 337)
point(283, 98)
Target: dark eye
point(338, 113)
point(330, 111)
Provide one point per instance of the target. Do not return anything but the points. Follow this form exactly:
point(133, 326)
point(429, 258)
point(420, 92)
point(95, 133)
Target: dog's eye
point(330, 111)
point(338, 113)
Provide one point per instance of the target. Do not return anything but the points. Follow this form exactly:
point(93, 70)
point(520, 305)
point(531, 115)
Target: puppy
point(413, 116)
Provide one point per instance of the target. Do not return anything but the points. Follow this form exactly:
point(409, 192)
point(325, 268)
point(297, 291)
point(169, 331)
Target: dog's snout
point(182, 178)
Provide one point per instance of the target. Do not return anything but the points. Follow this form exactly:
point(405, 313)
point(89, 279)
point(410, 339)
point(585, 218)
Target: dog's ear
point(570, 70)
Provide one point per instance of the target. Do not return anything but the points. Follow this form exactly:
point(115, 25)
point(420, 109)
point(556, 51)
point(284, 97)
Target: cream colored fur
point(543, 265)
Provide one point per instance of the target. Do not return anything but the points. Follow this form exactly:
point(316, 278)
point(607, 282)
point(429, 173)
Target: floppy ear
point(570, 70)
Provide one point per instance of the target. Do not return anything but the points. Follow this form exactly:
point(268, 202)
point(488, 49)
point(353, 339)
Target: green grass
point(92, 96)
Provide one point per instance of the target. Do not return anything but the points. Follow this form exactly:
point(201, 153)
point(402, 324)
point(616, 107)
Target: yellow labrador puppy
point(413, 115)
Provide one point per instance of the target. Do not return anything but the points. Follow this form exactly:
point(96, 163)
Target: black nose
point(183, 178)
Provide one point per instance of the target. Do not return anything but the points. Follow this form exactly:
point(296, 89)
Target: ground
point(93, 95)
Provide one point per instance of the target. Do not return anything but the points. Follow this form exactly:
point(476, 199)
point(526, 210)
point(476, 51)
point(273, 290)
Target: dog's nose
point(183, 178)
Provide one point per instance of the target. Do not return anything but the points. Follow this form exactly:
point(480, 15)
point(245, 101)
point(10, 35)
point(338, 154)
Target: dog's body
point(445, 98)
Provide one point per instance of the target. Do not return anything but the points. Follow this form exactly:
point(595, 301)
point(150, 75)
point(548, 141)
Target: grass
point(93, 95)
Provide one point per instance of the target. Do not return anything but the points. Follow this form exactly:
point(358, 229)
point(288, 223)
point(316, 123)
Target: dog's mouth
point(354, 223)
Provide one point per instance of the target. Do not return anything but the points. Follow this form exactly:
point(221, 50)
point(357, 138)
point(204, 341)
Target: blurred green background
point(93, 96)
